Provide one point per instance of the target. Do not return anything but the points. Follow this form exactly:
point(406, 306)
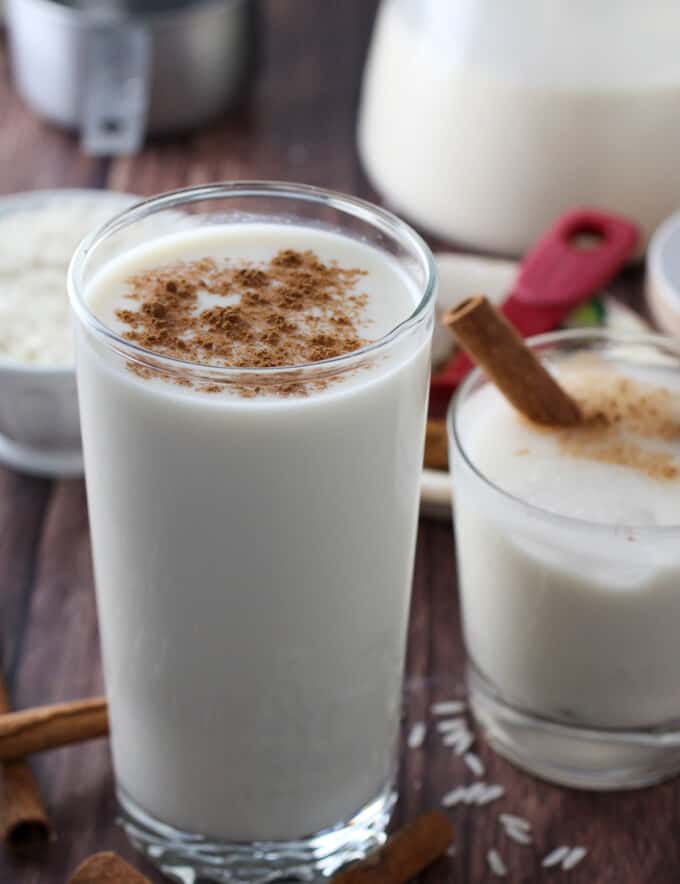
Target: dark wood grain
point(298, 125)
point(23, 503)
point(34, 154)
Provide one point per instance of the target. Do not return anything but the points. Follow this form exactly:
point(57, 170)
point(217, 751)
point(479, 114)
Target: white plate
point(459, 277)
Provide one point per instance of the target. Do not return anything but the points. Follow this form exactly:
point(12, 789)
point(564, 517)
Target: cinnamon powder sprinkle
point(622, 420)
point(293, 310)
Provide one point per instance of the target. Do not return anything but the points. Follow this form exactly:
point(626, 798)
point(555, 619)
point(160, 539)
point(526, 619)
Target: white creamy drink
point(568, 548)
point(253, 538)
point(484, 121)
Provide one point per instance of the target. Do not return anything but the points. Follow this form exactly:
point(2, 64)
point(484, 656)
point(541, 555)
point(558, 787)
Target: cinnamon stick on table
point(47, 727)
point(497, 347)
point(106, 868)
point(404, 855)
point(23, 819)
point(436, 445)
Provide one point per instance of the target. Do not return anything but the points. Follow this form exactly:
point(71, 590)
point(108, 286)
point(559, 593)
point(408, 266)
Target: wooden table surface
point(299, 125)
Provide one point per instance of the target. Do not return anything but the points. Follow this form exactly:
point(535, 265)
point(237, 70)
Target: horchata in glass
point(253, 367)
point(568, 544)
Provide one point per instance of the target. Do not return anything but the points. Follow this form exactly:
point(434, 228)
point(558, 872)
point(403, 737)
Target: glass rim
point(532, 509)
point(354, 206)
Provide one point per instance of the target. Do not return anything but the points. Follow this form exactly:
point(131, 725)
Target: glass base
point(191, 859)
point(584, 758)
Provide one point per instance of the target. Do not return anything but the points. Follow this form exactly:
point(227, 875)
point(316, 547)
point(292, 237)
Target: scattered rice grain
point(447, 707)
point(416, 736)
point(455, 796)
point(574, 857)
point(478, 793)
point(519, 836)
point(518, 822)
point(490, 793)
point(474, 763)
point(452, 725)
point(555, 857)
point(460, 743)
point(496, 864)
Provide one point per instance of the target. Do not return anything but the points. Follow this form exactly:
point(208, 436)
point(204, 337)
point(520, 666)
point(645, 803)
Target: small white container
point(39, 423)
point(662, 282)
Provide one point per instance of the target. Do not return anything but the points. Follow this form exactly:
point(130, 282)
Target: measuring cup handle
point(116, 80)
point(560, 271)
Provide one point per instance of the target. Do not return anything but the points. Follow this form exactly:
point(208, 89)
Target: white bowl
point(39, 422)
point(662, 279)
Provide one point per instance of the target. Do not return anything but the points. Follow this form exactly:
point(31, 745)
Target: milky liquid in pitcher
point(485, 135)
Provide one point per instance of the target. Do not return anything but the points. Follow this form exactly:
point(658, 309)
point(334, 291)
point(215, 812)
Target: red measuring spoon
point(557, 274)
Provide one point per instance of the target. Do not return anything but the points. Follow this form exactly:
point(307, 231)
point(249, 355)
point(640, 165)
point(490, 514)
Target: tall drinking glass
point(253, 551)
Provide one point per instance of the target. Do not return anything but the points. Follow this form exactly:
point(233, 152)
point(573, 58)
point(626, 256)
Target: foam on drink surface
point(622, 466)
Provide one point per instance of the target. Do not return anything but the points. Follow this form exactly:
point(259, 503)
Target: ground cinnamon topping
point(622, 420)
point(292, 310)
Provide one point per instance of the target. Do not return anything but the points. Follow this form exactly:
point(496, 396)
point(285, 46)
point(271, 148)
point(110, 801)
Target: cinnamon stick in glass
point(23, 819)
point(47, 727)
point(496, 346)
point(404, 855)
